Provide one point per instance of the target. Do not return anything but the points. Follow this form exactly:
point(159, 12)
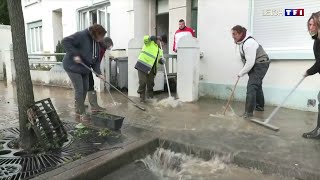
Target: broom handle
point(232, 93)
point(284, 100)
point(165, 72)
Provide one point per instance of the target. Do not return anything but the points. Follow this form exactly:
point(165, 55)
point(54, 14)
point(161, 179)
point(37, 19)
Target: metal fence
point(46, 60)
point(171, 64)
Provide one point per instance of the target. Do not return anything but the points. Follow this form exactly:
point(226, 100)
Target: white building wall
point(221, 62)
point(119, 19)
point(5, 36)
point(44, 11)
point(6, 40)
point(121, 28)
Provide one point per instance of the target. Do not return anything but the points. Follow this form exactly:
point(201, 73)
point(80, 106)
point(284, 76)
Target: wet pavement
point(201, 124)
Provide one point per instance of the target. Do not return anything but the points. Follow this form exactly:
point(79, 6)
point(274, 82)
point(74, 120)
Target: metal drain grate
point(46, 124)
point(15, 164)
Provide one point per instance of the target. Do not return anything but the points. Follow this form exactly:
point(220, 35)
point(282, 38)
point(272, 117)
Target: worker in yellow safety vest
point(147, 64)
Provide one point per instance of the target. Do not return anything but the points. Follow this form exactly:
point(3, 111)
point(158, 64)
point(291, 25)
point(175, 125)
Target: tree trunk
point(23, 78)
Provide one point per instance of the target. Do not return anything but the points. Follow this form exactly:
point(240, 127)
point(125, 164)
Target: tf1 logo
point(294, 12)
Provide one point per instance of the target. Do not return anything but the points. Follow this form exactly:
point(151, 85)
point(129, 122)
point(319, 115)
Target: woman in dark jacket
point(314, 30)
point(107, 44)
point(82, 47)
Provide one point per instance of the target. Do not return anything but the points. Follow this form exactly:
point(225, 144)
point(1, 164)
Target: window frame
point(97, 8)
point(35, 36)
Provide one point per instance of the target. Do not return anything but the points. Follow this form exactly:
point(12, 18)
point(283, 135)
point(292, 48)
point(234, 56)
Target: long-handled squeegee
point(266, 122)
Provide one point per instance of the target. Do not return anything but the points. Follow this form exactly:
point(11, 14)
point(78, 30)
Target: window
point(93, 15)
point(34, 35)
point(283, 37)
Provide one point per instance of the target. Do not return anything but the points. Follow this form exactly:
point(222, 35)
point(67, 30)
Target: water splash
point(230, 114)
point(113, 104)
point(167, 164)
point(169, 102)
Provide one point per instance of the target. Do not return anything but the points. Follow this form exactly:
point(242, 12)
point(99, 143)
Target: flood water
point(167, 165)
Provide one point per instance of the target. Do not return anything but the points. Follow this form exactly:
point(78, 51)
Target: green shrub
point(59, 49)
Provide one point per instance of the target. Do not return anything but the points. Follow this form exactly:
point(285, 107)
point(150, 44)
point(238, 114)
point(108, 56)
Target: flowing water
point(168, 165)
point(169, 102)
point(230, 114)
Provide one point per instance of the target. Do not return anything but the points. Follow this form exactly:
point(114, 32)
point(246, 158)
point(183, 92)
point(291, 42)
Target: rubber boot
point(92, 95)
point(314, 134)
point(150, 95)
point(249, 107)
point(143, 97)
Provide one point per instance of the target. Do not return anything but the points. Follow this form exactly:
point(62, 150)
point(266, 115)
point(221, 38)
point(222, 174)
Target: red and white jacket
point(186, 31)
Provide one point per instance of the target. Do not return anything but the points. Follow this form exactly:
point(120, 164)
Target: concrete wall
point(6, 40)
point(221, 62)
point(55, 77)
point(5, 36)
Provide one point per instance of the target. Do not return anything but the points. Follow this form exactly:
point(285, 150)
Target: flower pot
point(105, 120)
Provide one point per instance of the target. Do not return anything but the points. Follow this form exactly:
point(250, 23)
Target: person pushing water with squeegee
point(256, 64)
point(313, 25)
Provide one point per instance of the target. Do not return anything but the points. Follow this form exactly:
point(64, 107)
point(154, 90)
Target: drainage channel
point(164, 159)
point(178, 161)
point(16, 164)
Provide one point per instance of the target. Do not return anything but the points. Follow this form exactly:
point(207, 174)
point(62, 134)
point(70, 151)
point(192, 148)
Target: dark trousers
point(255, 95)
point(91, 82)
point(80, 84)
point(146, 81)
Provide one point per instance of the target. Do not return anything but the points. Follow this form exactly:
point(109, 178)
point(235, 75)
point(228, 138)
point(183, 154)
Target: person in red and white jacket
point(182, 31)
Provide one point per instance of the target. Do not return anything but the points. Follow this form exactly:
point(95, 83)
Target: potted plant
point(105, 120)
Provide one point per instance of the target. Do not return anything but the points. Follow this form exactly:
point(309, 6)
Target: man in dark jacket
point(107, 44)
point(82, 47)
point(314, 30)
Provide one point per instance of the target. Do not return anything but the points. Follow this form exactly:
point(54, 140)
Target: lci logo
point(285, 12)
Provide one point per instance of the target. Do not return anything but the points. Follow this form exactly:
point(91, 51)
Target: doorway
point(162, 24)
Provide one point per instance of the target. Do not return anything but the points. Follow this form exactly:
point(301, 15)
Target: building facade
point(285, 38)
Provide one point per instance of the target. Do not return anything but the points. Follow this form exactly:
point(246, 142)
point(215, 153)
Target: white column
point(188, 69)
point(134, 49)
